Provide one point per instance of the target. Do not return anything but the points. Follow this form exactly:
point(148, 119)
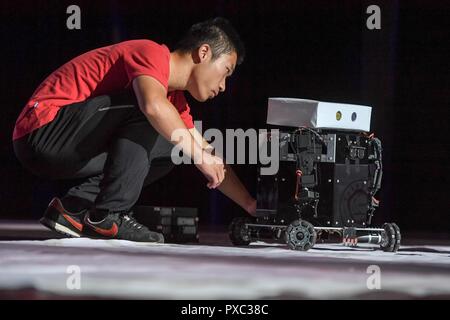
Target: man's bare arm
point(231, 186)
point(164, 117)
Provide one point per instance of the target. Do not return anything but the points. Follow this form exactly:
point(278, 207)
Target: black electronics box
point(177, 224)
point(337, 168)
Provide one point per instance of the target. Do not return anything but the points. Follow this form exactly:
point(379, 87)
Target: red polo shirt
point(101, 71)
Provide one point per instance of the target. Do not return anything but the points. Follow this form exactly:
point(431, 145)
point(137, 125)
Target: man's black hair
point(218, 33)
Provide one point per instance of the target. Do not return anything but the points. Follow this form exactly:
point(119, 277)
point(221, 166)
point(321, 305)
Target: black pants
point(113, 148)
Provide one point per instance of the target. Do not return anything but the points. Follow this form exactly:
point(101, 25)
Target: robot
point(329, 175)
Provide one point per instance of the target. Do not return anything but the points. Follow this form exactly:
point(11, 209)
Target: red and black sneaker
point(120, 226)
point(58, 219)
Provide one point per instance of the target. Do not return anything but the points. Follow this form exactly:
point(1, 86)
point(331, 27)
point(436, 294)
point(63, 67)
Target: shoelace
point(131, 221)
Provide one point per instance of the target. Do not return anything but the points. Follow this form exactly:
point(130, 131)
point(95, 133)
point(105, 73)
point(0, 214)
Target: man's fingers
point(221, 176)
point(215, 181)
point(219, 179)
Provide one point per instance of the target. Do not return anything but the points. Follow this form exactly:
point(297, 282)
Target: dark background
point(306, 49)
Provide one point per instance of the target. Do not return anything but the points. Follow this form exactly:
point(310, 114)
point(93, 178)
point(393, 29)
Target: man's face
point(208, 76)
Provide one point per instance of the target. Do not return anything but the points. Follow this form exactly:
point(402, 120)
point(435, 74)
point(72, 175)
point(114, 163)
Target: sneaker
point(58, 219)
point(120, 226)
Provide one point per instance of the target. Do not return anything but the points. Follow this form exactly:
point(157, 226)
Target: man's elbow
point(151, 109)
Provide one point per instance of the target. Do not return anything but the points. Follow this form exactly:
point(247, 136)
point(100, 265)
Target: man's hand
point(214, 174)
point(213, 169)
point(251, 208)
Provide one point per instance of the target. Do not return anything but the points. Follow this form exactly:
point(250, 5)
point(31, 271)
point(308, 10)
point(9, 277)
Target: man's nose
point(222, 86)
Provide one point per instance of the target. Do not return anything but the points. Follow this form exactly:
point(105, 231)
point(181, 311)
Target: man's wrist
point(198, 155)
point(209, 149)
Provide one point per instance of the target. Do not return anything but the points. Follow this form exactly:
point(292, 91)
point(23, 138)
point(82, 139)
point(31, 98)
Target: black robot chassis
point(324, 191)
point(302, 235)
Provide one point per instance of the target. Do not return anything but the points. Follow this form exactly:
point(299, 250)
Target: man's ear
point(204, 52)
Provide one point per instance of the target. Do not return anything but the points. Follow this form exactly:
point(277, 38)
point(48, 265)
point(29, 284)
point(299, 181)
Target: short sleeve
point(178, 99)
point(145, 57)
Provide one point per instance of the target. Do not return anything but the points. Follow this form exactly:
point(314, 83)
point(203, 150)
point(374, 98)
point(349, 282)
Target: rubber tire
point(238, 233)
point(307, 229)
point(393, 238)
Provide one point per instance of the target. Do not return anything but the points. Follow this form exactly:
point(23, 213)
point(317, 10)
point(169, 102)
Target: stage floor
point(45, 267)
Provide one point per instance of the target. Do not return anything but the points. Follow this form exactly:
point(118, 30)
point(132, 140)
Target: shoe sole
point(54, 226)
